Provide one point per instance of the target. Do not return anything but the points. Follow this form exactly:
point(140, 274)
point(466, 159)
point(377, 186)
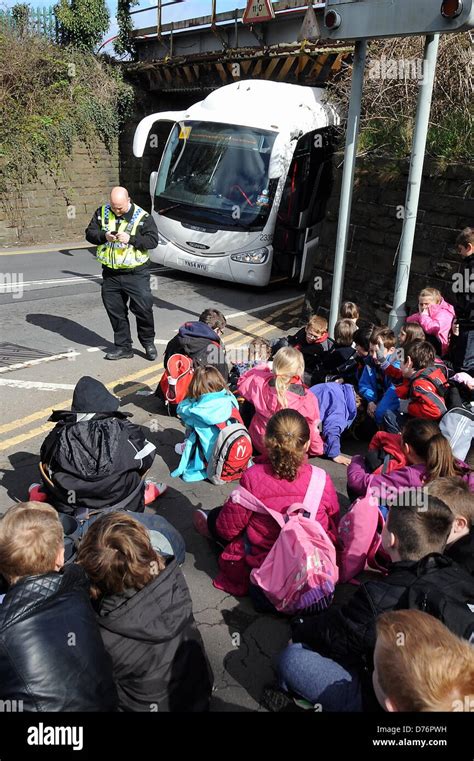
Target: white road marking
point(264, 306)
point(19, 366)
point(38, 385)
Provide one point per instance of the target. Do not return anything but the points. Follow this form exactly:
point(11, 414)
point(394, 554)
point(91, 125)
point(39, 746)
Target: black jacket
point(202, 344)
point(157, 652)
point(339, 361)
point(462, 552)
point(312, 353)
point(95, 463)
point(347, 634)
point(145, 239)
point(51, 653)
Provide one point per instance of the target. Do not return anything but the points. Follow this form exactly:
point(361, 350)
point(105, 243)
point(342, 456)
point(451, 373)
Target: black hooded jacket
point(202, 344)
point(52, 657)
point(95, 457)
point(157, 652)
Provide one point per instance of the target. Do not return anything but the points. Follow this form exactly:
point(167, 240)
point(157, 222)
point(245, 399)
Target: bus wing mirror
point(144, 128)
point(153, 179)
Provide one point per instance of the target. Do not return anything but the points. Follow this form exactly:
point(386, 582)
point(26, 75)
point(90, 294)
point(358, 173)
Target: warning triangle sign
point(310, 30)
point(258, 11)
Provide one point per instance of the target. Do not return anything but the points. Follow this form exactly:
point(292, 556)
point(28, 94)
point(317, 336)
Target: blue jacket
point(378, 388)
point(200, 417)
point(337, 409)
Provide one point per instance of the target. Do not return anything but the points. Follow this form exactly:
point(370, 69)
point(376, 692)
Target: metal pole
point(353, 124)
point(158, 19)
point(398, 312)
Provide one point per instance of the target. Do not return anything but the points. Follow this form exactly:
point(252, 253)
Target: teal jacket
point(200, 417)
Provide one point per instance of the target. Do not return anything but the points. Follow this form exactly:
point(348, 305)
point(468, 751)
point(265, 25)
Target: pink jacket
point(257, 386)
point(252, 535)
point(437, 322)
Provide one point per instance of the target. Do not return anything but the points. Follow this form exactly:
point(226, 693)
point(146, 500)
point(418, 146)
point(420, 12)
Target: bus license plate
point(198, 266)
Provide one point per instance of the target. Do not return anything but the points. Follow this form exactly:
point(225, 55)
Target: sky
point(186, 9)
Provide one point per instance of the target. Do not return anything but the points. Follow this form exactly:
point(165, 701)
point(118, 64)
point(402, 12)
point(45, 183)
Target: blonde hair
point(422, 665)
point(431, 293)
point(349, 311)
point(116, 553)
point(316, 322)
point(286, 437)
point(31, 535)
point(287, 364)
point(456, 494)
point(206, 380)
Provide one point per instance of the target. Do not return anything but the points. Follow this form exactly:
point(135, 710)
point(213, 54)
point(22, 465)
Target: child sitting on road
point(52, 657)
point(338, 405)
point(279, 388)
point(340, 361)
point(455, 493)
point(329, 661)
point(145, 615)
point(349, 311)
point(423, 389)
point(278, 483)
point(435, 316)
point(207, 404)
point(375, 387)
point(259, 353)
point(312, 341)
point(433, 670)
point(428, 456)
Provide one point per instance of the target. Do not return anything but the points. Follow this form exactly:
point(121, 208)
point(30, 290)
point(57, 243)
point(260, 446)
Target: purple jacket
point(410, 476)
point(337, 409)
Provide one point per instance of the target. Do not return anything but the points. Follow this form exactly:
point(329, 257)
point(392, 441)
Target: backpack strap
point(314, 493)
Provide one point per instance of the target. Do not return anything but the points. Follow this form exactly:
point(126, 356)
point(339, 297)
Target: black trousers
point(119, 287)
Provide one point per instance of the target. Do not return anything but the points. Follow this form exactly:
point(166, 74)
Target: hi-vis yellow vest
point(118, 255)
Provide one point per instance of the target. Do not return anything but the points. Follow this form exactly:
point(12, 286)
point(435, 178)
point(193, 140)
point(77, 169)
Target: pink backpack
point(360, 539)
point(300, 570)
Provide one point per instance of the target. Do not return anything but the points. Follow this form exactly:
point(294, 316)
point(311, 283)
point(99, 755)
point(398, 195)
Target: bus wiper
point(170, 208)
point(237, 222)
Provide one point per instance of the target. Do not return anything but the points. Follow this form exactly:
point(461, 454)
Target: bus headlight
point(259, 256)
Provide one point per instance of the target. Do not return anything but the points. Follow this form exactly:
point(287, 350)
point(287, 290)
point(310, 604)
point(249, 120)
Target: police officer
point(123, 234)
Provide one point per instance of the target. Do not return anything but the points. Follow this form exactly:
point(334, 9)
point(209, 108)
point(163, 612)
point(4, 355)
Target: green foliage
point(50, 97)
point(21, 18)
point(391, 92)
point(125, 42)
point(82, 23)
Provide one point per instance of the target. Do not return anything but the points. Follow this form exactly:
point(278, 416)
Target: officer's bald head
point(119, 201)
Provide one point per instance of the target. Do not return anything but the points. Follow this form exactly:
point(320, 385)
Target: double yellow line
point(150, 376)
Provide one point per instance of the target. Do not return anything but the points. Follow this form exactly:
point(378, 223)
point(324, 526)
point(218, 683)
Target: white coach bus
point(243, 181)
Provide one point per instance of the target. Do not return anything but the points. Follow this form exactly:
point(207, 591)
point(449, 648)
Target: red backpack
point(176, 378)
point(232, 451)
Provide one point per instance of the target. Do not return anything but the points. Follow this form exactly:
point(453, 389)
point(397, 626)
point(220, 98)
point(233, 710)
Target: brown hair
point(455, 493)
point(316, 322)
point(427, 441)
point(429, 669)
point(31, 535)
point(413, 332)
point(287, 364)
point(421, 353)
point(349, 310)
point(363, 335)
point(465, 237)
point(286, 435)
point(213, 318)
point(432, 293)
point(206, 380)
point(116, 553)
point(344, 331)
point(420, 531)
point(386, 335)
point(259, 349)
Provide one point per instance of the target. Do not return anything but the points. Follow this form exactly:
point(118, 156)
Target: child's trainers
point(200, 523)
point(277, 701)
point(153, 490)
